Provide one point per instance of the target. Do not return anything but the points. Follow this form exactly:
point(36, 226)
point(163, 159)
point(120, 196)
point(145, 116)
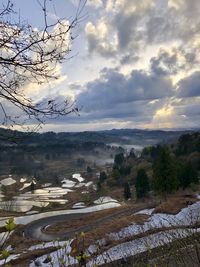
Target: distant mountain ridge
point(121, 136)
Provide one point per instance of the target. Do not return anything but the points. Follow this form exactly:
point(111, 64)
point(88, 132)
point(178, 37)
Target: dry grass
point(25, 258)
point(81, 222)
point(102, 223)
point(20, 243)
point(111, 226)
point(175, 204)
point(115, 225)
point(121, 215)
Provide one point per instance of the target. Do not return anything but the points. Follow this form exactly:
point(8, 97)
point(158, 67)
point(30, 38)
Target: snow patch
point(21, 205)
point(89, 184)
point(145, 212)
point(8, 181)
point(79, 205)
point(25, 186)
point(49, 244)
point(68, 183)
point(104, 200)
point(78, 177)
point(23, 180)
point(140, 245)
point(186, 217)
point(11, 257)
point(63, 253)
point(32, 212)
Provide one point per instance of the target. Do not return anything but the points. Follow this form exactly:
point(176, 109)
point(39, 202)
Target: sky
point(135, 64)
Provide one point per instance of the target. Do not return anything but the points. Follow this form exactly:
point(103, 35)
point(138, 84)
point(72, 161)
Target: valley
point(87, 210)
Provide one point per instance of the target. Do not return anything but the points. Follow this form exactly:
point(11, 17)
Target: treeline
point(48, 151)
point(161, 169)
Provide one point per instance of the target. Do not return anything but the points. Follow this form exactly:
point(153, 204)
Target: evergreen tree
point(127, 191)
point(117, 176)
point(103, 177)
point(98, 186)
point(125, 170)
point(187, 175)
point(89, 169)
point(164, 173)
point(142, 183)
point(119, 159)
point(32, 187)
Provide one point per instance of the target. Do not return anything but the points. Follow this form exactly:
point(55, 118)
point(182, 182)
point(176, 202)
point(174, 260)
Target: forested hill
point(128, 136)
point(162, 169)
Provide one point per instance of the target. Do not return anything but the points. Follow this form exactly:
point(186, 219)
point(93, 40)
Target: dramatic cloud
point(138, 66)
point(131, 26)
point(113, 88)
point(190, 86)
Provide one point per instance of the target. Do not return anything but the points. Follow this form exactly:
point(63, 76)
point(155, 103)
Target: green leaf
point(10, 225)
point(5, 254)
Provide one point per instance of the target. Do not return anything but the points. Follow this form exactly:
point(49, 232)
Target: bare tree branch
point(29, 55)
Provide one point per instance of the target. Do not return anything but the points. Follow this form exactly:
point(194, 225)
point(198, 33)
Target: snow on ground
point(8, 181)
point(60, 201)
point(25, 185)
point(79, 185)
point(79, 205)
point(47, 193)
point(115, 253)
point(52, 191)
point(32, 212)
point(68, 183)
point(50, 244)
point(46, 185)
point(89, 184)
point(23, 180)
point(11, 257)
point(21, 205)
point(4, 236)
point(1, 196)
point(85, 192)
point(39, 198)
point(187, 216)
point(78, 177)
point(104, 200)
point(62, 253)
point(30, 218)
point(140, 245)
point(145, 212)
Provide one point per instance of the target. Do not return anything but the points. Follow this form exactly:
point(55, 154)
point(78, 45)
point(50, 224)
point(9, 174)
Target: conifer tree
point(127, 191)
point(164, 173)
point(187, 175)
point(142, 183)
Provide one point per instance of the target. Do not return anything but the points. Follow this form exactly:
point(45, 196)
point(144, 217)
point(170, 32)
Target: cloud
point(148, 52)
point(98, 39)
point(190, 86)
point(95, 3)
point(113, 88)
point(173, 60)
point(143, 98)
point(132, 26)
point(159, 42)
point(121, 18)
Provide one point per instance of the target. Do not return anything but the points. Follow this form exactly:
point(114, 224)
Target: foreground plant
point(10, 226)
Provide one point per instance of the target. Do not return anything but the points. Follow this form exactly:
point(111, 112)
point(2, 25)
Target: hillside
point(132, 207)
